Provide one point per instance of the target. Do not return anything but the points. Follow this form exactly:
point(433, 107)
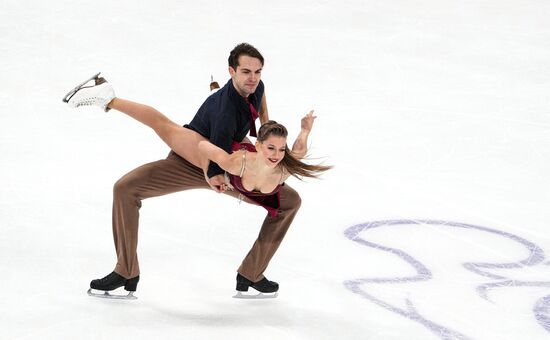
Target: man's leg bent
point(271, 235)
point(150, 180)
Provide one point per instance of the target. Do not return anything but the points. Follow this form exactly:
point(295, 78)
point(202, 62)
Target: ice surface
point(433, 224)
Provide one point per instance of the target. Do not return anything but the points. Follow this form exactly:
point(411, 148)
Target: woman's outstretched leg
point(181, 140)
point(170, 132)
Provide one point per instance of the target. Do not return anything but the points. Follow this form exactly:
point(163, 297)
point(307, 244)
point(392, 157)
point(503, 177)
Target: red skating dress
point(270, 201)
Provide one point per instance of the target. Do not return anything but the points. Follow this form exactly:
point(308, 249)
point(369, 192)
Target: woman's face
point(272, 150)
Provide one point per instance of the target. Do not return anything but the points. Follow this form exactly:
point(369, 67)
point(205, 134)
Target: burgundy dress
point(270, 201)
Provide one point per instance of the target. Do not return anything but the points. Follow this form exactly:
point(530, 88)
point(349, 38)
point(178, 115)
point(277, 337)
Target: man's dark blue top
point(224, 117)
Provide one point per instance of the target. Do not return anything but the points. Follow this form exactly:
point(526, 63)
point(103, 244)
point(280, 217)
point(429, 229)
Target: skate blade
point(259, 296)
point(73, 91)
point(107, 295)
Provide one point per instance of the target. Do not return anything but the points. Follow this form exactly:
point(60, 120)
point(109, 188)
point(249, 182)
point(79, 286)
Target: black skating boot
point(114, 281)
point(262, 286)
point(111, 282)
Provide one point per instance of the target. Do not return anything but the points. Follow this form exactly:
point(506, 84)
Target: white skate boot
point(100, 93)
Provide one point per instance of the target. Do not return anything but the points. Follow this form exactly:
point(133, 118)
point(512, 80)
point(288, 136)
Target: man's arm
point(264, 115)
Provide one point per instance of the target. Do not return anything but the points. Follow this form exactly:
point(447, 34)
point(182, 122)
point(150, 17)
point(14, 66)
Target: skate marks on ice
point(541, 310)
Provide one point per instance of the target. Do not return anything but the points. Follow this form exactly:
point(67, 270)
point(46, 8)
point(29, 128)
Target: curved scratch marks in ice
point(410, 313)
point(542, 312)
point(484, 288)
point(535, 256)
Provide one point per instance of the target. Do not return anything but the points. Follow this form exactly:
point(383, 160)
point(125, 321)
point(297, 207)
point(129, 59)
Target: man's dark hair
point(243, 49)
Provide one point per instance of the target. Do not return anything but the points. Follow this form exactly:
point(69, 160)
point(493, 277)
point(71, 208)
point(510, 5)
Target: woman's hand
point(218, 183)
point(307, 121)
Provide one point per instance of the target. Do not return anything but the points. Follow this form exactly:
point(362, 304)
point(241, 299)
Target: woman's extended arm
point(299, 148)
point(231, 163)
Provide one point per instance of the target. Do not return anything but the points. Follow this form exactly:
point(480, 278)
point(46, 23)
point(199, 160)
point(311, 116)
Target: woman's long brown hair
point(290, 163)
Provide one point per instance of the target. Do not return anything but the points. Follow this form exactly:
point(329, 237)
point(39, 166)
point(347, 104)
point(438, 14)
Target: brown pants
point(175, 174)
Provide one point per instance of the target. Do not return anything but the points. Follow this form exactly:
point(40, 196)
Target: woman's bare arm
point(231, 163)
point(299, 148)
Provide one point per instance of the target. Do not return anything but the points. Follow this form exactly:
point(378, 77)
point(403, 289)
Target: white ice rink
point(434, 223)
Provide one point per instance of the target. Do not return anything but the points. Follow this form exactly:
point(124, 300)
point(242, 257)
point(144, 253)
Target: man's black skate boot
point(262, 286)
point(114, 281)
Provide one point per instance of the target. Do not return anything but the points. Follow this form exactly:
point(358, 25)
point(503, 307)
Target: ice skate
point(99, 93)
point(265, 289)
point(112, 282)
